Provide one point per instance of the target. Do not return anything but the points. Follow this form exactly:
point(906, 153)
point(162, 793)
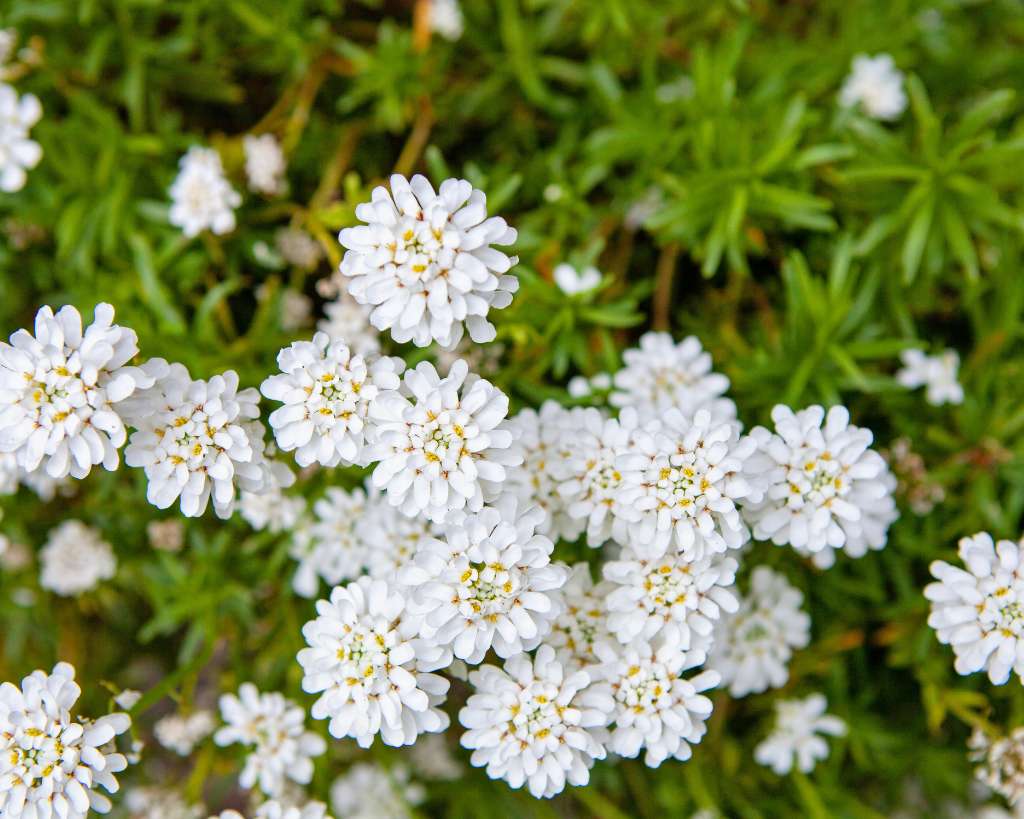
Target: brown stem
point(663, 275)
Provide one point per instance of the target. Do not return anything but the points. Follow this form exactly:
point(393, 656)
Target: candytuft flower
point(424, 261)
point(330, 548)
point(201, 197)
point(264, 164)
point(368, 791)
point(582, 623)
point(18, 153)
point(573, 282)
point(937, 373)
point(445, 18)
point(876, 86)
point(796, 736)
point(182, 732)
point(75, 559)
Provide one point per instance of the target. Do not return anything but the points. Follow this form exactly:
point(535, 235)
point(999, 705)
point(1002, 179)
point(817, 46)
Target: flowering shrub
point(425, 408)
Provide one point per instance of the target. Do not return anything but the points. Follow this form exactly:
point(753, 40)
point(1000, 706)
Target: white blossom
point(369, 669)
point(937, 373)
point(446, 448)
point(432, 759)
point(330, 548)
point(876, 85)
point(825, 489)
point(264, 164)
point(52, 764)
point(296, 309)
point(752, 647)
point(153, 802)
point(62, 391)
point(424, 261)
point(797, 736)
point(194, 442)
point(1001, 764)
point(18, 153)
point(368, 791)
point(127, 698)
point(274, 730)
point(298, 248)
point(979, 610)
point(445, 18)
point(75, 559)
point(669, 597)
point(345, 318)
point(278, 809)
point(660, 375)
point(583, 621)
point(388, 539)
point(572, 282)
point(201, 197)
point(531, 724)
point(182, 732)
point(271, 510)
point(489, 584)
point(653, 706)
point(329, 396)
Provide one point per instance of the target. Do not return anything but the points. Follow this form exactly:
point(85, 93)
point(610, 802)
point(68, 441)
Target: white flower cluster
point(264, 164)
point(18, 153)
point(797, 737)
point(181, 733)
point(201, 196)
point(1000, 763)
point(75, 559)
point(876, 85)
point(936, 373)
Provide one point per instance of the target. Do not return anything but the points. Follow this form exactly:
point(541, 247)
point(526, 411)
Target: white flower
point(296, 309)
point(298, 248)
point(796, 735)
point(446, 449)
point(51, 763)
point(193, 441)
point(825, 489)
point(752, 647)
point(582, 623)
point(388, 539)
point(75, 559)
point(271, 510)
point(543, 438)
point(432, 759)
point(181, 733)
point(445, 18)
point(1001, 765)
point(573, 282)
point(367, 791)
point(202, 199)
point(276, 809)
point(653, 706)
point(159, 803)
point(18, 153)
point(264, 164)
point(60, 391)
point(127, 698)
point(684, 477)
point(274, 728)
point(364, 658)
point(344, 318)
point(531, 724)
point(578, 387)
point(660, 375)
point(491, 585)
point(980, 611)
point(330, 547)
point(938, 373)
point(875, 85)
point(424, 261)
point(593, 487)
point(669, 597)
point(328, 396)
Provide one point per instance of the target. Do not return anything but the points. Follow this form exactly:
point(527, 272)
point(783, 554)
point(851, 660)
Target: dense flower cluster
point(201, 196)
point(18, 153)
point(798, 738)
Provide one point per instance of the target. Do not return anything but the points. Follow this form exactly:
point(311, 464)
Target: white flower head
point(752, 647)
point(75, 559)
point(685, 476)
point(344, 318)
point(1001, 765)
point(572, 282)
point(389, 539)
point(264, 164)
point(825, 489)
point(490, 584)
point(329, 396)
point(979, 610)
point(283, 809)
point(196, 440)
point(660, 375)
point(937, 373)
point(18, 153)
point(182, 732)
point(201, 197)
point(797, 736)
point(653, 706)
point(424, 261)
point(669, 597)
point(273, 728)
point(154, 802)
point(299, 248)
point(876, 85)
point(446, 449)
point(445, 17)
point(583, 621)
point(271, 510)
point(543, 438)
point(532, 724)
point(62, 391)
point(52, 764)
point(330, 548)
point(368, 791)
point(369, 669)
point(432, 759)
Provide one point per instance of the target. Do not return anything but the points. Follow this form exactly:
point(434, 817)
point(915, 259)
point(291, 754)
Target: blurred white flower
point(75, 559)
point(368, 791)
point(432, 759)
point(296, 309)
point(329, 547)
point(271, 510)
point(127, 698)
point(345, 319)
point(572, 282)
point(388, 539)
point(797, 736)
point(582, 622)
point(1001, 764)
point(424, 261)
point(154, 802)
point(279, 809)
point(937, 373)
point(181, 733)
point(18, 153)
point(264, 164)
point(201, 197)
point(876, 85)
point(298, 248)
point(446, 18)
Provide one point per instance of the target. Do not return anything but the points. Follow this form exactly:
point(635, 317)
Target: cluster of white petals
point(876, 85)
point(583, 621)
point(445, 18)
point(799, 735)
point(573, 282)
point(424, 261)
point(182, 732)
point(825, 488)
point(752, 647)
point(368, 791)
point(264, 164)
point(369, 669)
point(344, 318)
point(274, 730)
point(75, 559)
point(18, 153)
point(389, 539)
point(1000, 764)
point(979, 609)
point(329, 547)
point(52, 763)
point(201, 196)
point(936, 373)
point(272, 509)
